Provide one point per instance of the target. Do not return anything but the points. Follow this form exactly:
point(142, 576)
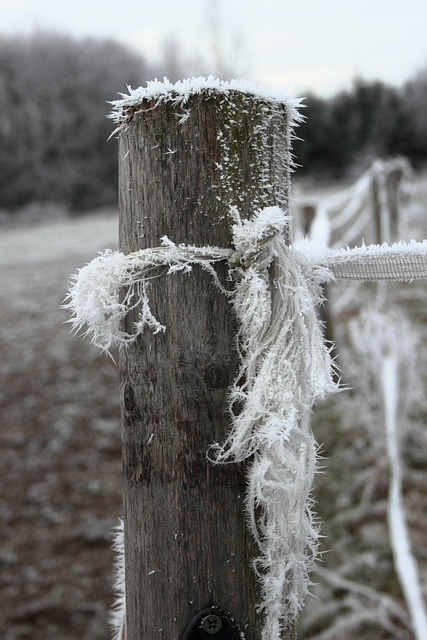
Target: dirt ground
point(60, 451)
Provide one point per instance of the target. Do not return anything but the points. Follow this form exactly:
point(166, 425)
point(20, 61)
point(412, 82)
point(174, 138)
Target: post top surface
point(179, 92)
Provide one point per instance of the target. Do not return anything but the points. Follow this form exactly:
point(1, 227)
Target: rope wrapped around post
point(285, 367)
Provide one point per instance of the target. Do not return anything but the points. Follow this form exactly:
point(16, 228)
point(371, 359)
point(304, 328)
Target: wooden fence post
point(387, 200)
point(394, 181)
point(182, 165)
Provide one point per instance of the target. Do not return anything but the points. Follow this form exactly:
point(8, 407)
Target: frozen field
point(60, 441)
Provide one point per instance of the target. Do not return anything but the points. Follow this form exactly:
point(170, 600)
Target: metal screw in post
point(212, 624)
point(207, 623)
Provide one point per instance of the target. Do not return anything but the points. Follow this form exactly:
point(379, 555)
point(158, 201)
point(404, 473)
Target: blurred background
point(362, 69)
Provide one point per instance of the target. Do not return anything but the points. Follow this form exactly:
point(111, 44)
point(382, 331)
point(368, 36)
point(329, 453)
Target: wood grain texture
point(186, 542)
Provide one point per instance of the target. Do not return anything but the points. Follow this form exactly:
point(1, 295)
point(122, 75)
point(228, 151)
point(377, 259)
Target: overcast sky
point(317, 45)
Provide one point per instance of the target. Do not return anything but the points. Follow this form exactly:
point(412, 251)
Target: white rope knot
point(250, 236)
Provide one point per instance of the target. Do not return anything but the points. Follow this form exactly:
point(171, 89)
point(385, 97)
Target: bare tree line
point(351, 129)
point(53, 129)
point(54, 93)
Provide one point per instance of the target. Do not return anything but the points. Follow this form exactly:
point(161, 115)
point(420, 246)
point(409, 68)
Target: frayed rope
point(94, 297)
point(285, 365)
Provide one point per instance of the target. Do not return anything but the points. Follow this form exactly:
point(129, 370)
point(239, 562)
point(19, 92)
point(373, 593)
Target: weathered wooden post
point(187, 155)
point(397, 175)
point(308, 214)
point(387, 198)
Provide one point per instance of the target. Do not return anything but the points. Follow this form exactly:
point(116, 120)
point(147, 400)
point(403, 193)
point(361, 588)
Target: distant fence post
point(183, 163)
point(394, 180)
point(387, 198)
point(308, 214)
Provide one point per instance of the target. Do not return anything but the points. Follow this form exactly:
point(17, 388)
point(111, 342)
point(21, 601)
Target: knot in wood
point(129, 398)
point(216, 375)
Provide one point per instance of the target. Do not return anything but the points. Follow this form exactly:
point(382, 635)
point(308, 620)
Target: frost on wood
point(239, 132)
point(118, 616)
point(179, 93)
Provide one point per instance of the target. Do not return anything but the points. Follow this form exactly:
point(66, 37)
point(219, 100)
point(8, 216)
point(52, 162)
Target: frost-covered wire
point(400, 261)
